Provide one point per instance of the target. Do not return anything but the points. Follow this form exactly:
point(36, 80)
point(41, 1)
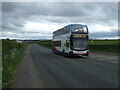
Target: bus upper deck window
point(84, 29)
point(79, 30)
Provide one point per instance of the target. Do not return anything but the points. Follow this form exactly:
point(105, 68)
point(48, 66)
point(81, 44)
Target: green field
point(104, 46)
point(104, 42)
point(94, 45)
point(12, 53)
point(46, 43)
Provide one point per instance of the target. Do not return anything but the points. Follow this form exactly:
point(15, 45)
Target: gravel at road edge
point(27, 75)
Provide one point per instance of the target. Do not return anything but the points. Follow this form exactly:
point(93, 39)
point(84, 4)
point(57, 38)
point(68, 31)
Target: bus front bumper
point(81, 53)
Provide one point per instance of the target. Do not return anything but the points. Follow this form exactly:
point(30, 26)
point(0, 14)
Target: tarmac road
point(56, 71)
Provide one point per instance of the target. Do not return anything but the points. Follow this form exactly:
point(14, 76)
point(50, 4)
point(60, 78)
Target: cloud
point(104, 34)
point(46, 17)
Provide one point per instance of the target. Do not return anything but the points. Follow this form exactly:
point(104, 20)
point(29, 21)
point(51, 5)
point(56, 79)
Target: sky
point(38, 20)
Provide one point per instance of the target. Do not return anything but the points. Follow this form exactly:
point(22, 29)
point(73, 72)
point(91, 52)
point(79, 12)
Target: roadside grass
point(104, 46)
point(12, 53)
point(104, 42)
point(94, 45)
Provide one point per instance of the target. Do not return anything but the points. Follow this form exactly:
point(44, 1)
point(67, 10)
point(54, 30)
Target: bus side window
point(67, 43)
point(57, 43)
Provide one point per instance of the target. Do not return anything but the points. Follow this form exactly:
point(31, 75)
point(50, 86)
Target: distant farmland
point(104, 46)
point(94, 46)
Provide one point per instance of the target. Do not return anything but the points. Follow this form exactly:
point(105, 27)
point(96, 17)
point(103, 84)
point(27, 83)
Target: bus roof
point(78, 24)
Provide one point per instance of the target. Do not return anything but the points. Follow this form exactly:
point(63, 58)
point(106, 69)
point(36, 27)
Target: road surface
point(43, 69)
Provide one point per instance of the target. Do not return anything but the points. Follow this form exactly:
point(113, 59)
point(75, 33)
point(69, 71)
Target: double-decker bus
point(71, 40)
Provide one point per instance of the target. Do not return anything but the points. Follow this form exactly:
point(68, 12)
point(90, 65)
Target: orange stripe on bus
point(79, 53)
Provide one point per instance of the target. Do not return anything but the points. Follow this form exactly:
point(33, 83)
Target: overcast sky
point(37, 20)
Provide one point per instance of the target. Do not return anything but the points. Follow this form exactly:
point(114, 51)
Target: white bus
point(71, 40)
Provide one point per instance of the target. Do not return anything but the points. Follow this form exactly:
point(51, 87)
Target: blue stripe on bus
point(70, 28)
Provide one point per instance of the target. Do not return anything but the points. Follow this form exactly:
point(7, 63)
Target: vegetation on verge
point(12, 53)
point(104, 46)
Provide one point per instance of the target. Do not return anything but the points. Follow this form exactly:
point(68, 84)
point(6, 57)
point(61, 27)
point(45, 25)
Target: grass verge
point(12, 53)
point(111, 46)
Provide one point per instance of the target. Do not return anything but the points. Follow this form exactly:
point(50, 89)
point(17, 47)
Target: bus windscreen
point(80, 44)
point(79, 29)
